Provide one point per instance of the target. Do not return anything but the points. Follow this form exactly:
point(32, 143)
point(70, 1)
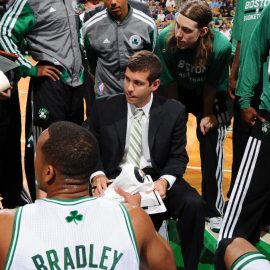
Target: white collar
point(145, 108)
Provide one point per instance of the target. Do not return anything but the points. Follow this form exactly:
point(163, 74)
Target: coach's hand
point(99, 184)
point(161, 186)
point(49, 71)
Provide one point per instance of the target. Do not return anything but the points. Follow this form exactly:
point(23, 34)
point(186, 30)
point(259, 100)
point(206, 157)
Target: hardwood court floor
point(193, 172)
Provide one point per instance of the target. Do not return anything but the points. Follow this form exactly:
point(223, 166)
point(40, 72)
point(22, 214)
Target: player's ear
point(49, 176)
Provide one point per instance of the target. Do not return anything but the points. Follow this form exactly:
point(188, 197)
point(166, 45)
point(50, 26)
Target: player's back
point(84, 233)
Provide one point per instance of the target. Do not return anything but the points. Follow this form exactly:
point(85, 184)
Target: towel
point(132, 180)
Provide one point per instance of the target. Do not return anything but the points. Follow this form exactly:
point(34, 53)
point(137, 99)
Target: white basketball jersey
point(86, 233)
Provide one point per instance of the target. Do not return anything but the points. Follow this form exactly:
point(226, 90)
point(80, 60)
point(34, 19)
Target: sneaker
point(215, 223)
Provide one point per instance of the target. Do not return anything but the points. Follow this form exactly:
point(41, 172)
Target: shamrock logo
point(135, 41)
point(266, 127)
point(43, 113)
point(74, 216)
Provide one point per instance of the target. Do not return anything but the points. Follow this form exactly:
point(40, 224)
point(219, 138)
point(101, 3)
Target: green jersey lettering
point(91, 257)
point(81, 256)
point(39, 262)
point(116, 259)
point(104, 257)
point(68, 262)
point(53, 259)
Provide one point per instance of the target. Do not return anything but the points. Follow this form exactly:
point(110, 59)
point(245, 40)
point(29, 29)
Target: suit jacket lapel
point(121, 121)
point(156, 116)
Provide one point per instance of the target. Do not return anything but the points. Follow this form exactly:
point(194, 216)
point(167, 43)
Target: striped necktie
point(135, 139)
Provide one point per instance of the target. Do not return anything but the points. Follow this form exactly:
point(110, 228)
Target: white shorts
point(251, 261)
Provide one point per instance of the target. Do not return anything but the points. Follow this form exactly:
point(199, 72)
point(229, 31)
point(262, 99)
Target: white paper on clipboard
point(151, 201)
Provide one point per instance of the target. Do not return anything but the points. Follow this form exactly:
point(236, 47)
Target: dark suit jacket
point(166, 134)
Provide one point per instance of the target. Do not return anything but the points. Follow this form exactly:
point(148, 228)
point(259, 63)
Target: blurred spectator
point(226, 9)
point(230, 10)
point(170, 16)
point(223, 11)
point(218, 20)
point(170, 3)
point(154, 14)
point(161, 16)
point(90, 4)
point(225, 31)
point(214, 4)
point(162, 4)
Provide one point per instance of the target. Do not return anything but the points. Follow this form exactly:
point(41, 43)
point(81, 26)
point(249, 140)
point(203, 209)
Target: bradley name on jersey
point(79, 257)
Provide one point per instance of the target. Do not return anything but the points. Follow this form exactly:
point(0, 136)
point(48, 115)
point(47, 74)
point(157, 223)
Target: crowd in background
point(165, 12)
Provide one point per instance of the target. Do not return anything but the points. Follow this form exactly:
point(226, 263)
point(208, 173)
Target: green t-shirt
point(178, 64)
point(256, 55)
point(246, 17)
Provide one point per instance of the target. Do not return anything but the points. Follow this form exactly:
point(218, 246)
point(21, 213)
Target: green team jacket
point(178, 65)
point(51, 29)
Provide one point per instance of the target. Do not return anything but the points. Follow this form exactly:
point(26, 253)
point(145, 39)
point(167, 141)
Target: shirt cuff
point(170, 178)
point(25, 71)
point(95, 174)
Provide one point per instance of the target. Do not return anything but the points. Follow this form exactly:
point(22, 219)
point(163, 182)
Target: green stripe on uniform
point(69, 202)
point(245, 259)
point(14, 239)
point(130, 230)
